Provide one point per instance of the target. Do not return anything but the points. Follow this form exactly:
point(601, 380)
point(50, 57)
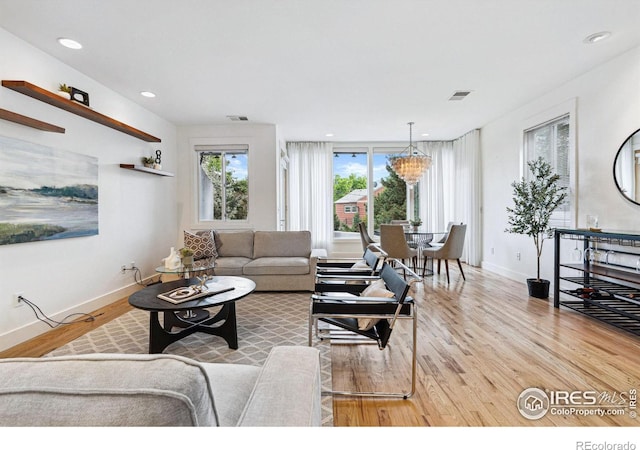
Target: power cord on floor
point(54, 323)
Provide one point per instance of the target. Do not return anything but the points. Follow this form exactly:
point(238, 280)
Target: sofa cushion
point(202, 243)
point(281, 243)
point(235, 243)
point(105, 390)
point(232, 385)
point(231, 265)
point(277, 266)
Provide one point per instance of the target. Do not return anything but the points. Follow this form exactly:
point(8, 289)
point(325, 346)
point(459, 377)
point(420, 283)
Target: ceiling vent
point(459, 95)
point(237, 118)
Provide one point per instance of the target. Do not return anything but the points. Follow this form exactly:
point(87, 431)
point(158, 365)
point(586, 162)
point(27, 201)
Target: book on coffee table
point(188, 293)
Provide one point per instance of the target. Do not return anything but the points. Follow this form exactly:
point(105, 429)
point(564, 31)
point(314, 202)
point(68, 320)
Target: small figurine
point(203, 280)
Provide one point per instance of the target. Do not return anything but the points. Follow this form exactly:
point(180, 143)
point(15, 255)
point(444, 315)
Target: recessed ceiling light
point(147, 94)
point(329, 135)
point(425, 134)
point(596, 37)
point(70, 43)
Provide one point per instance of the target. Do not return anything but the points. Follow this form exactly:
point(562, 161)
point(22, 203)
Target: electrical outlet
point(133, 265)
point(518, 256)
point(16, 300)
point(123, 268)
point(492, 251)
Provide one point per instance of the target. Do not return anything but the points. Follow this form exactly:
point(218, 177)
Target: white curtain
point(310, 190)
point(450, 191)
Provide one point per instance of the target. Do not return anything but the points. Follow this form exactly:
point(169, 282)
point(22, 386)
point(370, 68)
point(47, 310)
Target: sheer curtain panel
point(450, 189)
point(310, 188)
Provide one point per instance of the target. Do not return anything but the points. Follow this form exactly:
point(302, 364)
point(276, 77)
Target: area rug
point(265, 320)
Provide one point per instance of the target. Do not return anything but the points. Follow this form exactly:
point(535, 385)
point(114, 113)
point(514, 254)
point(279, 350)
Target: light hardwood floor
point(481, 342)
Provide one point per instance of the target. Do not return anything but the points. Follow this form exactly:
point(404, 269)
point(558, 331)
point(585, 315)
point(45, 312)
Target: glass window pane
point(350, 192)
point(390, 191)
point(223, 181)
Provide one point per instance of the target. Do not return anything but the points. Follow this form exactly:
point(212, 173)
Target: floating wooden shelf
point(54, 99)
point(146, 169)
point(29, 121)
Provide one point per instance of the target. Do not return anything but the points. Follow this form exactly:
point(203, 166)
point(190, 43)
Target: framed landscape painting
point(46, 193)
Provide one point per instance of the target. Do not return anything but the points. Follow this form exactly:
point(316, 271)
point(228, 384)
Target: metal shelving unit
point(599, 285)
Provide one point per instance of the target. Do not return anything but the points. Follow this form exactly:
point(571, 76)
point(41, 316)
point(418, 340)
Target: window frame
point(371, 149)
point(549, 116)
point(198, 146)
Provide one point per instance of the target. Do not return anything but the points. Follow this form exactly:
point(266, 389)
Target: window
point(551, 141)
point(361, 173)
point(223, 184)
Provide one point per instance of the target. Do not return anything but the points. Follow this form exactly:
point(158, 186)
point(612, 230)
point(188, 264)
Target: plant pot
point(538, 288)
point(187, 261)
point(65, 94)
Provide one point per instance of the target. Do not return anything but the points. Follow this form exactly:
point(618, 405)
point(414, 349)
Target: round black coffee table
point(222, 324)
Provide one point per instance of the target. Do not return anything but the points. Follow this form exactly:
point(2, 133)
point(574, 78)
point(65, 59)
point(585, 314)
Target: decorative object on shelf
point(186, 255)
point(79, 96)
point(148, 161)
point(534, 201)
point(157, 163)
point(172, 262)
point(411, 166)
point(64, 91)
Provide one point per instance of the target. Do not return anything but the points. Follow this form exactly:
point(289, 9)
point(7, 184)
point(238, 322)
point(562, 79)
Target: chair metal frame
point(337, 308)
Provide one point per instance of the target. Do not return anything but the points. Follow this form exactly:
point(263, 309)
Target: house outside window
point(223, 183)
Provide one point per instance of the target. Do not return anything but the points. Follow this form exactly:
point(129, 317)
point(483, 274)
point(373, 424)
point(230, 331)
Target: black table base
point(222, 324)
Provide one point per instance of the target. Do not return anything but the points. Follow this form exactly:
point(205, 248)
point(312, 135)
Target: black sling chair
point(337, 270)
point(343, 311)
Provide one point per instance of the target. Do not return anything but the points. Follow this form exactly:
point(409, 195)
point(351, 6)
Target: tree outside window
point(224, 185)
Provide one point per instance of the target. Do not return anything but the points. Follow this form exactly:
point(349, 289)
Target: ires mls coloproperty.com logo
point(535, 403)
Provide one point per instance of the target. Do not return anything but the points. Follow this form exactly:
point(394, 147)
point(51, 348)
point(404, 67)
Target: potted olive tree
point(534, 201)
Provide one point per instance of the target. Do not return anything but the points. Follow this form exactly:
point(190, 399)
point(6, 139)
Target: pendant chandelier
point(411, 163)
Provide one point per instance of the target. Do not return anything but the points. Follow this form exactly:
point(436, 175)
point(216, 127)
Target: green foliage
point(391, 204)
point(237, 191)
point(534, 201)
point(64, 88)
point(343, 185)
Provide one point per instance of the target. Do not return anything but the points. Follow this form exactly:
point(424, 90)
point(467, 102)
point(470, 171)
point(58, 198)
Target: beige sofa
point(274, 260)
point(161, 390)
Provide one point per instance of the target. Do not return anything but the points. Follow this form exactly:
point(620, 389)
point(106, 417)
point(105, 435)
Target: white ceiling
point(360, 69)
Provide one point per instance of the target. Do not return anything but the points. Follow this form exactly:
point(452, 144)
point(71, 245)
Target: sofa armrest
point(287, 392)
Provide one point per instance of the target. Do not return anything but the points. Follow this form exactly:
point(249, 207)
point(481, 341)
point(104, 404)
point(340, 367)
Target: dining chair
point(394, 243)
point(366, 240)
point(451, 249)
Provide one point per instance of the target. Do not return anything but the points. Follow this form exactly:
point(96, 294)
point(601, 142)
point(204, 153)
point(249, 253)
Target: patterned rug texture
point(265, 320)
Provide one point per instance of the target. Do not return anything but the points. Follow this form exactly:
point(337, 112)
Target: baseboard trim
point(36, 328)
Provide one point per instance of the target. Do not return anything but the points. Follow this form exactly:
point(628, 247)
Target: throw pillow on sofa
point(202, 243)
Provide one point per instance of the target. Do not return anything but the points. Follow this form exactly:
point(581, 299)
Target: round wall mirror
point(626, 168)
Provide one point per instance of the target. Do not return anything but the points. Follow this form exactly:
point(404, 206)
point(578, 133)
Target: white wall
point(608, 111)
point(263, 170)
point(137, 212)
